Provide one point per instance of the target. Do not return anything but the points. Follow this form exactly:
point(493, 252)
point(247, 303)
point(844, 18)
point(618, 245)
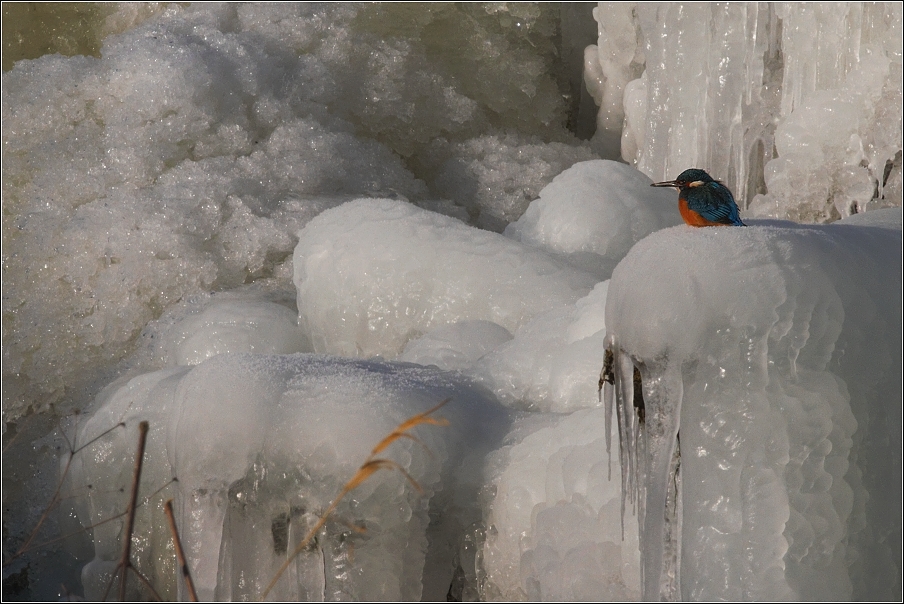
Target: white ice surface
point(553, 522)
point(593, 213)
point(775, 350)
point(237, 326)
point(373, 274)
point(553, 362)
point(457, 345)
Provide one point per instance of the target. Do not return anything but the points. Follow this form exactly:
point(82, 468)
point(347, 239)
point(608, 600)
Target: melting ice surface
point(254, 227)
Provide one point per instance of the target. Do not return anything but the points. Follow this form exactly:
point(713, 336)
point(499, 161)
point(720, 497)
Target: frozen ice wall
point(772, 354)
point(797, 107)
point(555, 533)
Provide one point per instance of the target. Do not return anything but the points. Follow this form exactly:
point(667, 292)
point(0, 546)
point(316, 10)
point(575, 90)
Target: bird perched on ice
point(702, 200)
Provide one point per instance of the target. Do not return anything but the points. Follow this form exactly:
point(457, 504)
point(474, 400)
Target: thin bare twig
point(55, 499)
point(144, 502)
point(125, 561)
point(180, 556)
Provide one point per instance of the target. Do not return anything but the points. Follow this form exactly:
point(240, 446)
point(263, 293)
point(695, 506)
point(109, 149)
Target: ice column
point(698, 101)
point(796, 105)
point(772, 355)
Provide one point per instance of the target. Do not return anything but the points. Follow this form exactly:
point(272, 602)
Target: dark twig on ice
point(125, 561)
point(180, 556)
point(55, 500)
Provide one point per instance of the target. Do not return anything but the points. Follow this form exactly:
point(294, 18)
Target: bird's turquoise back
point(713, 201)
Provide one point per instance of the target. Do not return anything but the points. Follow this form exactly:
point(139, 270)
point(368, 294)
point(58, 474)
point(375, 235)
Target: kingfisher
point(702, 200)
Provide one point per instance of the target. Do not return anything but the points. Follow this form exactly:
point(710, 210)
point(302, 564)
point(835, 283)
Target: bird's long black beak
point(668, 183)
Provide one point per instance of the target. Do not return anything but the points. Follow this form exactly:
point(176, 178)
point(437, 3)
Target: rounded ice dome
point(236, 326)
point(593, 213)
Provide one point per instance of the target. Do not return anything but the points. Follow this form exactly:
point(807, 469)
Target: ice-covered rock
point(236, 326)
point(593, 212)
point(457, 345)
point(261, 444)
point(553, 529)
point(373, 274)
point(775, 350)
point(553, 362)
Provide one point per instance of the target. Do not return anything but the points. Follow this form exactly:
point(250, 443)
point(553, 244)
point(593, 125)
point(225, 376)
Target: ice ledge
point(775, 352)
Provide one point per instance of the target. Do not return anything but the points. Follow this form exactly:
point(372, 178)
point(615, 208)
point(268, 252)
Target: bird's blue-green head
point(694, 177)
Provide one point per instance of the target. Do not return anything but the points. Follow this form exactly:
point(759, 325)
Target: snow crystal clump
point(155, 173)
point(497, 177)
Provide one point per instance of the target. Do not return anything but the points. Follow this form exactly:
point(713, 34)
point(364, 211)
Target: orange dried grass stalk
point(367, 469)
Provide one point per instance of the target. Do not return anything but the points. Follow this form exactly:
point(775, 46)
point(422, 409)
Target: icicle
point(608, 377)
point(619, 366)
point(648, 415)
point(671, 584)
point(660, 529)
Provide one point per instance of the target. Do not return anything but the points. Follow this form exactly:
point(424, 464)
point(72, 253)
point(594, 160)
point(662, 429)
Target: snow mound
point(373, 274)
point(261, 444)
point(594, 212)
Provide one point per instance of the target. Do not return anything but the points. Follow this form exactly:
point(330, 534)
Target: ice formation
point(205, 137)
point(554, 533)
point(373, 274)
point(552, 362)
point(297, 427)
point(456, 346)
point(797, 107)
point(593, 213)
point(172, 204)
point(771, 355)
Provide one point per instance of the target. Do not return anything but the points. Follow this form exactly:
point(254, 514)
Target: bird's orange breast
point(693, 218)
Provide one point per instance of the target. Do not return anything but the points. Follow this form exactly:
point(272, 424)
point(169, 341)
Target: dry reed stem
point(180, 556)
point(125, 561)
point(367, 469)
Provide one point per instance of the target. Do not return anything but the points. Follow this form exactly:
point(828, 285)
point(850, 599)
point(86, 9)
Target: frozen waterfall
point(277, 231)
